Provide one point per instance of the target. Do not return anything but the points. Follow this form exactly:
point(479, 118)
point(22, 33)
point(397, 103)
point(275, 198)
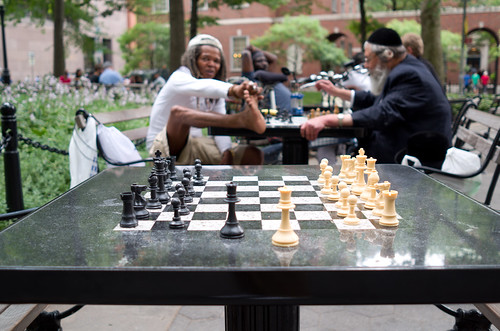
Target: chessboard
point(257, 206)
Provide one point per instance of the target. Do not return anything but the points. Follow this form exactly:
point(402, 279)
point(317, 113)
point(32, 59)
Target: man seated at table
point(194, 98)
point(258, 65)
point(405, 99)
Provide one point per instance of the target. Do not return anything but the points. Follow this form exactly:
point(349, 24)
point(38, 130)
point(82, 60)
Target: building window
point(160, 6)
point(334, 6)
point(342, 6)
point(238, 44)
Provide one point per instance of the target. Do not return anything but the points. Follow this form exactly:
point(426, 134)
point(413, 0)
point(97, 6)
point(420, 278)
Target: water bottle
point(296, 103)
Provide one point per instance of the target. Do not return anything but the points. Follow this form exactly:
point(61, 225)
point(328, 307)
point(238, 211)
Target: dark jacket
point(411, 101)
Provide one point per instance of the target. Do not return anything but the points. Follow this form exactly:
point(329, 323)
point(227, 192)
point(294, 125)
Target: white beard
point(378, 77)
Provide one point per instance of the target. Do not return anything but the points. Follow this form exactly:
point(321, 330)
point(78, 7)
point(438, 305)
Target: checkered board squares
point(257, 208)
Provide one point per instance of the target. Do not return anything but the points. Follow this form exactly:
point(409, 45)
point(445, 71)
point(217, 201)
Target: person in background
point(109, 76)
point(415, 46)
point(485, 80)
point(158, 81)
point(94, 77)
point(80, 79)
point(259, 66)
point(194, 98)
point(64, 78)
point(475, 82)
point(467, 81)
point(405, 100)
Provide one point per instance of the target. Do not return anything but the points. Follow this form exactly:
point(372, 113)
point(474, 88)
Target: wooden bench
point(491, 311)
point(127, 115)
point(18, 317)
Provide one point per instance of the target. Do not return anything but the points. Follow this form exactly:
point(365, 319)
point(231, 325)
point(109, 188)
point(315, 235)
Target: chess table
point(295, 148)
point(445, 250)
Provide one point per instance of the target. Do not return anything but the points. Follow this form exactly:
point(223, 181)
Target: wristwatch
point(340, 118)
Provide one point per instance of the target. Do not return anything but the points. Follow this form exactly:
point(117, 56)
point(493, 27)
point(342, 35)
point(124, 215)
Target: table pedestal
point(262, 318)
point(295, 150)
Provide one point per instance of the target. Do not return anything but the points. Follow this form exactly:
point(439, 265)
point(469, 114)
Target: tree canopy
point(306, 33)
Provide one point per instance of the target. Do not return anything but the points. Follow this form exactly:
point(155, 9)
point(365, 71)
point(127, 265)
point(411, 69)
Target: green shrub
point(45, 113)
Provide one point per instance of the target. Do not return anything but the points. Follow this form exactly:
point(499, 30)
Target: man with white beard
point(404, 100)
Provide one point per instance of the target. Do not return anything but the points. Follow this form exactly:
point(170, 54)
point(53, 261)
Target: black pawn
point(232, 229)
point(171, 167)
point(190, 188)
point(139, 201)
point(168, 180)
point(183, 210)
point(162, 194)
point(128, 216)
point(185, 183)
point(176, 222)
point(153, 202)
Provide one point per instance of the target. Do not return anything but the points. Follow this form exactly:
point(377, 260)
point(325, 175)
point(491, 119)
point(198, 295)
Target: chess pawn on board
point(389, 215)
point(285, 236)
point(335, 195)
point(322, 166)
point(340, 187)
point(351, 218)
point(344, 209)
point(327, 188)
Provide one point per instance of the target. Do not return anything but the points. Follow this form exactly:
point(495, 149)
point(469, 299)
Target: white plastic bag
point(411, 161)
point(117, 147)
point(83, 153)
point(460, 162)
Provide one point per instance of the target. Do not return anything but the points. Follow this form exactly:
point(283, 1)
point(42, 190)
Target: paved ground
point(317, 318)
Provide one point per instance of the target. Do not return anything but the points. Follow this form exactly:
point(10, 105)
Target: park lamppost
point(5, 73)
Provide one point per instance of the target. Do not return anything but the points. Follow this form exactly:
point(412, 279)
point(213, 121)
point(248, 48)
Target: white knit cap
point(205, 39)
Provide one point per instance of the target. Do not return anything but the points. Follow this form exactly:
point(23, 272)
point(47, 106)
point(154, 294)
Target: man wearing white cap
point(405, 100)
point(194, 98)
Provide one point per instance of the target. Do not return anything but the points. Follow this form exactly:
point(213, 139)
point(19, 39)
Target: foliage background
point(45, 113)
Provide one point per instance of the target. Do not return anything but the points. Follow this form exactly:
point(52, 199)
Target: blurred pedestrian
point(485, 80)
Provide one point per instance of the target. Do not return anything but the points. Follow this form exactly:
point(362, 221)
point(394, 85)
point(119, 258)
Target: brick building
point(30, 49)
point(237, 28)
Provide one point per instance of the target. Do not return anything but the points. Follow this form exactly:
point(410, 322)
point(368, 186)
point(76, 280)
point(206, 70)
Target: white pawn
point(335, 195)
point(344, 209)
point(322, 166)
point(351, 218)
point(341, 186)
point(327, 189)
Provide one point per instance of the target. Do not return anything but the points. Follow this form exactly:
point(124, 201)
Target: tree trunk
point(431, 35)
point(177, 34)
point(59, 60)
point(362, 22)
point(193, 26)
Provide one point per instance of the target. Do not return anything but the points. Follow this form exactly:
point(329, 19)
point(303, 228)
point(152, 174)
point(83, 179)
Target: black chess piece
point(153, 202)
point(232, 229)
point(176, 222)
point(171, 166)
point(161, 193)
point(183, 210)
point(188, 198)
point(128, 216)
point(168, 180)
point(190, 188)
point(198, 177)
point(139, 201)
